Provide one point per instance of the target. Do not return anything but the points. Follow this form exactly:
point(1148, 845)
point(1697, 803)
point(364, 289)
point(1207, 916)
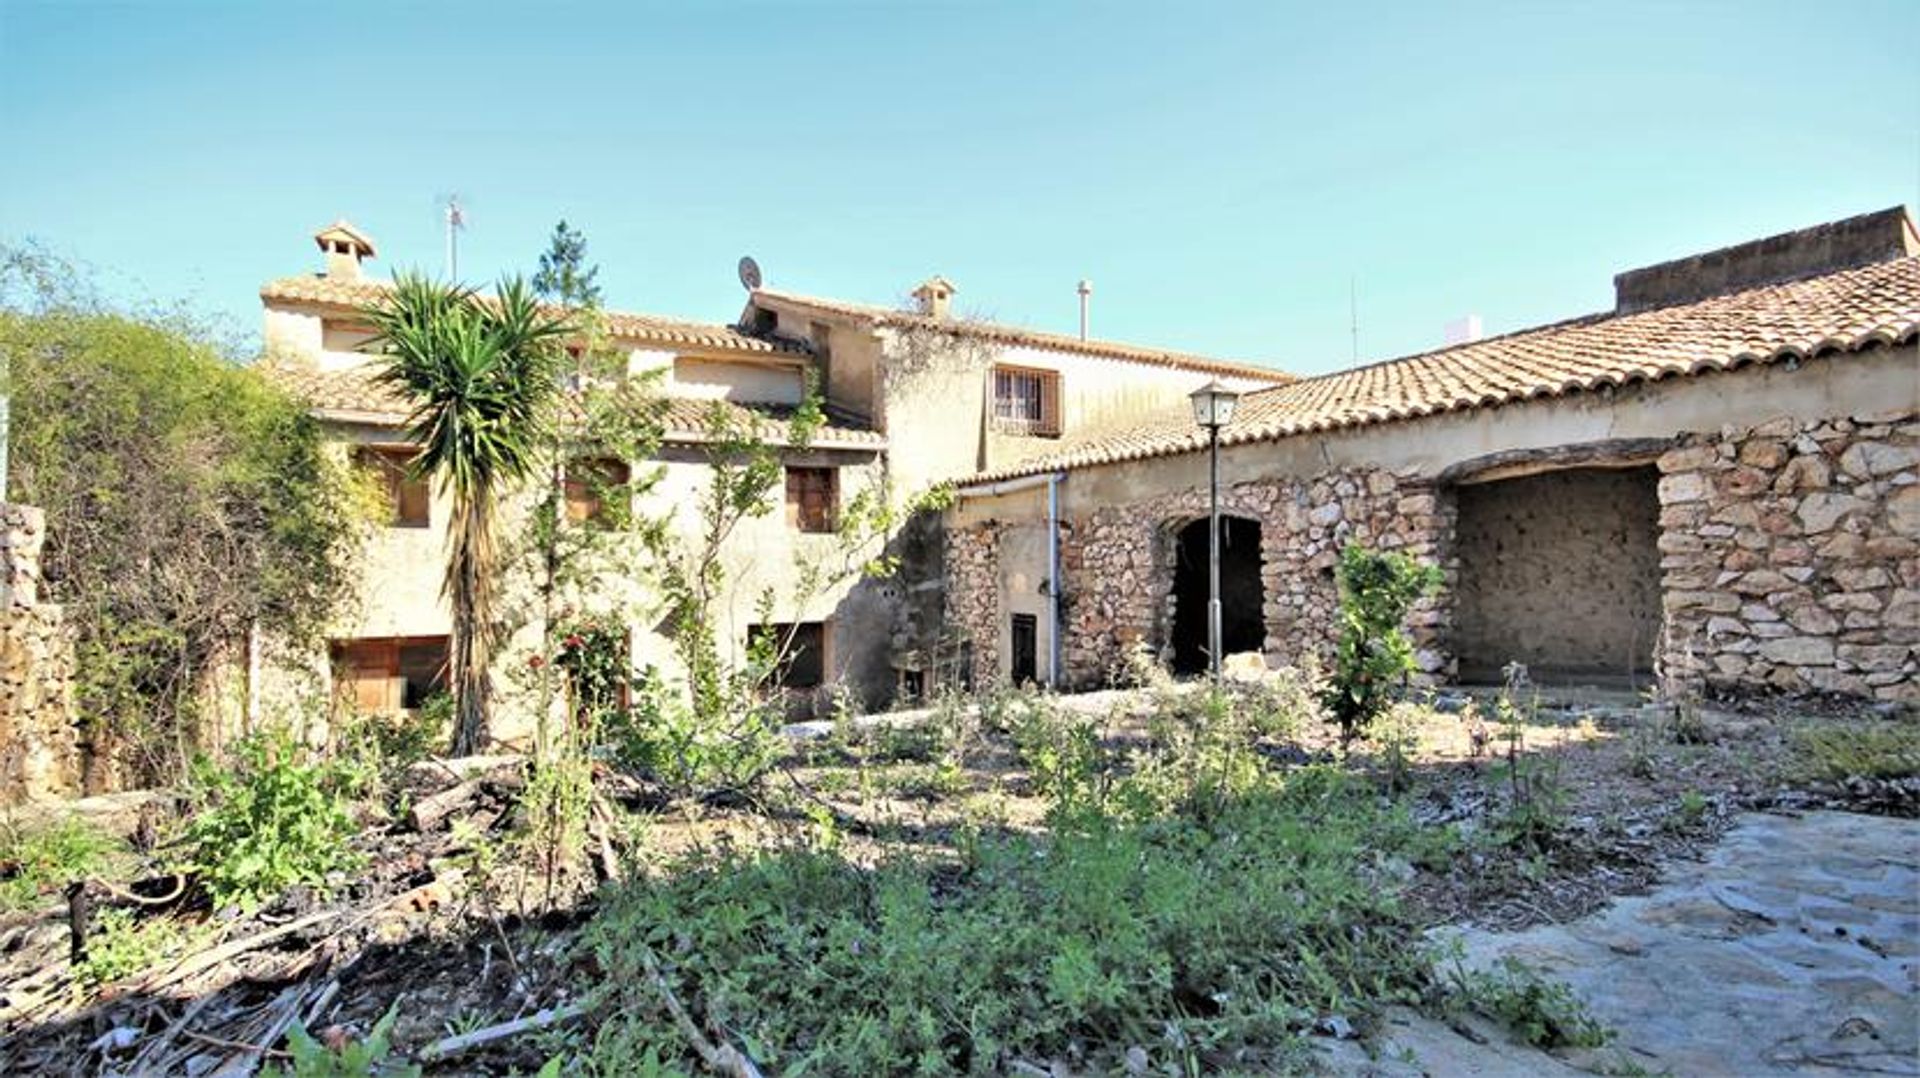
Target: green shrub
point(1372, 655)
point(1178, 936)
point(38, 863)
point(270, 822)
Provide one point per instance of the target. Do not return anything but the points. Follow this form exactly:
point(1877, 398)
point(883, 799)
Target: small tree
point(1373, 655)
point(481, 374)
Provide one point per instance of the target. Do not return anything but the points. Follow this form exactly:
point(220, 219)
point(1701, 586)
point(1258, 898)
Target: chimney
point(935, 296)
point(1809, 252)
point(1086, 295)
point(1462, 330)
point(344, 247)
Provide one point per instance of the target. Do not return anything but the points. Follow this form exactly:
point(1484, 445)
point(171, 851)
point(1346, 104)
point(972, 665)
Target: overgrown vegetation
point(37, 863)
point(190, 502)
point(1372, 656)
point(1838, 751)
point(1207, 945)
point(1543, 1012)
point(271, 820)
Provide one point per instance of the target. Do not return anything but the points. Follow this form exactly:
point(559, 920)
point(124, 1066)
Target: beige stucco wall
point(711, 379)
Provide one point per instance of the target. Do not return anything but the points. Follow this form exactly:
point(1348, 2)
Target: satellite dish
point(749, 274)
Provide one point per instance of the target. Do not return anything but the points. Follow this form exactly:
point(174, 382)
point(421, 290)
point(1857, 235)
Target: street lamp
point(1213, 406)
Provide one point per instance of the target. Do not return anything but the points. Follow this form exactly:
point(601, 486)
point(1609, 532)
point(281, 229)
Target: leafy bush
point(1372, 656)
point(1181, 937)
point(270, 822)
point(39, 862)
point(192, 501)
point(1546, 1014)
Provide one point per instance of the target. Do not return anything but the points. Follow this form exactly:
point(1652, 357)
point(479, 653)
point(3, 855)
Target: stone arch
point(1182, 556)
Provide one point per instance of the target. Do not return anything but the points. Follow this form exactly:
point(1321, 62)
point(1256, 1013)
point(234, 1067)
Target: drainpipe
point(1053, 580)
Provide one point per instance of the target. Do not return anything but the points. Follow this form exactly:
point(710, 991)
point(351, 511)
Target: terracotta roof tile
point(1835, 313)
point(1017, 336)
point(331, 292)
point(353, 395)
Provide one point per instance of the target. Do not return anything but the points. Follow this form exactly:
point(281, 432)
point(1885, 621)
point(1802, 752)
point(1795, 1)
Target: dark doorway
point(1559, 571)
point(1026, 649)
point(1242, 623)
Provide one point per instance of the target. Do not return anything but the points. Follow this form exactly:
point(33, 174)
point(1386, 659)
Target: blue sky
point(1221, 172)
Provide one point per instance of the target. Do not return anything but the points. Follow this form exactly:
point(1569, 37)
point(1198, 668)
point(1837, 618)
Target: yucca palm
point(482, 377)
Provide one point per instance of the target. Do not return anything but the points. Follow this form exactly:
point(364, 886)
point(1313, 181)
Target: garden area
point(1163, 879)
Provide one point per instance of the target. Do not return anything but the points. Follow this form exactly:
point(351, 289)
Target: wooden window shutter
point(1050, 403)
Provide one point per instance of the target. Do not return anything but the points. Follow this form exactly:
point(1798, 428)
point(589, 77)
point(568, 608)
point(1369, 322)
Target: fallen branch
point(539, 1019)
point(722, 1058)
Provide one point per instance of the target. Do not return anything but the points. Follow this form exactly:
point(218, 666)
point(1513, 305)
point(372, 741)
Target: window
point(810, 498)
point(390, 673)
point(1026, 401)
point(593, 487)
point(407, 494)
point(804, 666)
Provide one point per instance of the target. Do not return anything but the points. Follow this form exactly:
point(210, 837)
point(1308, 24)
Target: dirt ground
point(448, 927)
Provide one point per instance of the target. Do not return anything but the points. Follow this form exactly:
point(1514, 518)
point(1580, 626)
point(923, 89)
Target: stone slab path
point(1792, 949)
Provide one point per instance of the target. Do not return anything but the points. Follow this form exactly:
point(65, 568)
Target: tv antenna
point(749, 274)
point(1353, 312)
point(456, 218)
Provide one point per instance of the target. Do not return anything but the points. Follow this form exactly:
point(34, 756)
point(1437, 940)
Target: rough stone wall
point(973, 595)
point(1560, 571)
point(1118, 564)
point(39, 754)
point(1792, 557)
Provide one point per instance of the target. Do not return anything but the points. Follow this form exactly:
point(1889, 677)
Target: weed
point(1546, 1014)
point(270, 822)
point(1535, 813)
point(1688, 815)
point(1835, 752)
point(1175, 934)
point(121, 945)
point(38, 863)
point(349, 1059)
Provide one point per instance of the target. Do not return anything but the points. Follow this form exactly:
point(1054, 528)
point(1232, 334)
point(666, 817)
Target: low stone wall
point(1792, 557)
point(39, 753)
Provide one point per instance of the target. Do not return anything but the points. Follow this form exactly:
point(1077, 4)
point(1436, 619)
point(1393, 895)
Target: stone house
point(1717, 482)
point(913, 398)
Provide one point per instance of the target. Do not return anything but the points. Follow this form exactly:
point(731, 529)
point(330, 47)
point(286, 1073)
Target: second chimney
point(344, 246)
point(935, 296)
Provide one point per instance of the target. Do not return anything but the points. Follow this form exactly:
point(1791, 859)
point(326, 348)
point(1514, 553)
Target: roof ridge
point(1064, 341)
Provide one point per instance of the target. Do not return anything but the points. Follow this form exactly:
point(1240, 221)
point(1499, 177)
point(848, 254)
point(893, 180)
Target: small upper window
point(1026, 401)
point(810, 498)
point(594, 489)
point(407, 494)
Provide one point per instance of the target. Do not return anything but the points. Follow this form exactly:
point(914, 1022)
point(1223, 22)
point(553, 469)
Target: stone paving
point(1793, 949)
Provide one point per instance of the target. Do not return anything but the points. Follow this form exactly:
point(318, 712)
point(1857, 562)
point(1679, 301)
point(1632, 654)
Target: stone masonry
point(1118, 563)
point(39, 754)
point(973, 595)
point(1792, 557)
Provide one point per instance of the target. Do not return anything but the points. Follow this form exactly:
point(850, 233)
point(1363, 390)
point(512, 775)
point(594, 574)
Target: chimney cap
point(359, 244)
point(936, 285)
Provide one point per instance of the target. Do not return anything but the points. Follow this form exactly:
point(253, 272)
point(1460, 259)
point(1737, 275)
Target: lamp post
point(1213, 406)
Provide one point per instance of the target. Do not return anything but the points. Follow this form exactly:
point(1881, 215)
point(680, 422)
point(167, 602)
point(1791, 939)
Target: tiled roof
point(1016, 336)
point(332, 292)
point(353, 395)
point(1836, 313)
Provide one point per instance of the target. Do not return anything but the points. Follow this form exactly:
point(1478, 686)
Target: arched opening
point(1242, 624)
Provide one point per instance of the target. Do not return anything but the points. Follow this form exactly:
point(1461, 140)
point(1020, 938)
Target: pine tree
point(564, 276)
